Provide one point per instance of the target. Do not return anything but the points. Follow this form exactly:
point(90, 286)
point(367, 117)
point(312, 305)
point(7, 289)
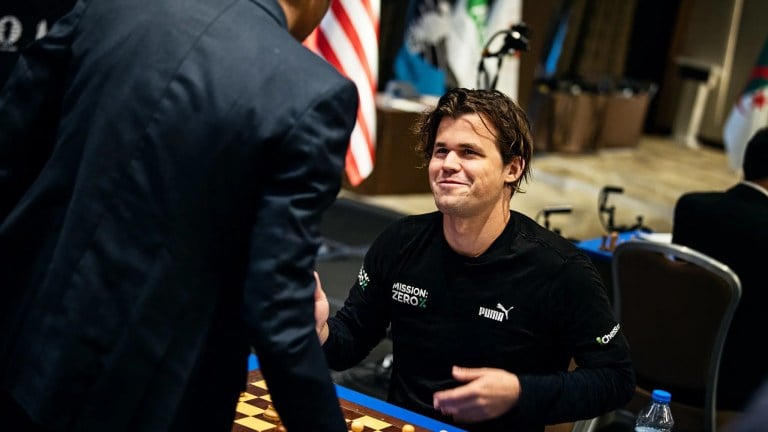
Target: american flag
point(348, 38)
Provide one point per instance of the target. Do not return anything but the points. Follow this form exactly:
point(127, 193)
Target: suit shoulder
point(698, 198)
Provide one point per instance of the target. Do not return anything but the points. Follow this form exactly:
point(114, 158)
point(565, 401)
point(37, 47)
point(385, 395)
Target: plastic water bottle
point(656, 416)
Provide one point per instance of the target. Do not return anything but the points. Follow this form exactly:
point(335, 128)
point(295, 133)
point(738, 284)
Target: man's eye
point(441, 151)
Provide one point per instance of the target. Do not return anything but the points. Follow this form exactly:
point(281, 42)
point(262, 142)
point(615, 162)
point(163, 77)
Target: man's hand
point(488, 393)
point(322, 310)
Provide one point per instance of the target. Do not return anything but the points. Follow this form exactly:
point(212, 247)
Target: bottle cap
point(661, 396)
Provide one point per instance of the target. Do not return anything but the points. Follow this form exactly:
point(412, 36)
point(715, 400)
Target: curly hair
point(509, 124)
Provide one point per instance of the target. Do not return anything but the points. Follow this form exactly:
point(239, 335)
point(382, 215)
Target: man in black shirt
point(487, 308)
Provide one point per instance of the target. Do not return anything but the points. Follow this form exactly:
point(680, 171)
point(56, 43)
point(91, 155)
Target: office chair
point(675, 306)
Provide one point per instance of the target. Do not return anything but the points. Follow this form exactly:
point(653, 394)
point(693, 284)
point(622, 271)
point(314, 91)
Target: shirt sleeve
point(363, 320)
point(603, 379)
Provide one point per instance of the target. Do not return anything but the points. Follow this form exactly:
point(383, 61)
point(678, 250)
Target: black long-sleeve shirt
point(528, 305)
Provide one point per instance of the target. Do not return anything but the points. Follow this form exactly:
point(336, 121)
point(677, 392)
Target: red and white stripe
point(348, 38)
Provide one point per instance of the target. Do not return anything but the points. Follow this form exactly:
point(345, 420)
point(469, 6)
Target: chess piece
point(271, 414)
point(614, 240)
point(356, 426)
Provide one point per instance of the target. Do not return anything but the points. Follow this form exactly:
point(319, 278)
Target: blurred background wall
point(645, 41)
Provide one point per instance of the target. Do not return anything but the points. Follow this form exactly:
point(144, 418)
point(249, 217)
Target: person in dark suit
point(732, 227)
point(160, 206)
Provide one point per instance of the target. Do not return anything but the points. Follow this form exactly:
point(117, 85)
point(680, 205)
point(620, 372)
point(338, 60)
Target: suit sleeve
point(303, 179)
point(30, 103)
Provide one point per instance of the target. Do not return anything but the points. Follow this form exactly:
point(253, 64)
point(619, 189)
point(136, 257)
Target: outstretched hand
point(488, 393)
point(322, 310)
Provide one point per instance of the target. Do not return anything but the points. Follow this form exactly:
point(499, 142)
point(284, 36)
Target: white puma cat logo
point(505, 310)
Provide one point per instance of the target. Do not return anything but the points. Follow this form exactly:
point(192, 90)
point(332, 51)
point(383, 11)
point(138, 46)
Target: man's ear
point(514, 169)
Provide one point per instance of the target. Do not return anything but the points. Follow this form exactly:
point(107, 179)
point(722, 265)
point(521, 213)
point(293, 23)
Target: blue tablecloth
point(592, 246)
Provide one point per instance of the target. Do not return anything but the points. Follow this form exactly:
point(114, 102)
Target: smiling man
point(486, 307)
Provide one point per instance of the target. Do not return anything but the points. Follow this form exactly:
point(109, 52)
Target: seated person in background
point(732, 227)
point(487, 308)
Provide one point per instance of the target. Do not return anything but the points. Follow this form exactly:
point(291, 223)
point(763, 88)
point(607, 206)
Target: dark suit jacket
point(732, 227)
point(168, 220)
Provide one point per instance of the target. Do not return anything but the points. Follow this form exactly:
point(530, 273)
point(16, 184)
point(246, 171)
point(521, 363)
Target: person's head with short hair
point(502, 117)
point(755, 163)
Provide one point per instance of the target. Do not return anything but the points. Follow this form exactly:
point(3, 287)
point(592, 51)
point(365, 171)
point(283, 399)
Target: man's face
point(466, 172)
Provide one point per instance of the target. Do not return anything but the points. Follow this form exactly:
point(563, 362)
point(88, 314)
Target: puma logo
point(505, 310)
point(494, 314)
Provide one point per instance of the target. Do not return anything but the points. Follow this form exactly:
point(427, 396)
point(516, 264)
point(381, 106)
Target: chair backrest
point(675, 306)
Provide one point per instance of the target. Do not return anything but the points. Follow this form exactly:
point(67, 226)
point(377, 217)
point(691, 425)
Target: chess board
point(255, 400)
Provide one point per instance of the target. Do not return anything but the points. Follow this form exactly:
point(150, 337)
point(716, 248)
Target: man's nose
point(452, 161)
